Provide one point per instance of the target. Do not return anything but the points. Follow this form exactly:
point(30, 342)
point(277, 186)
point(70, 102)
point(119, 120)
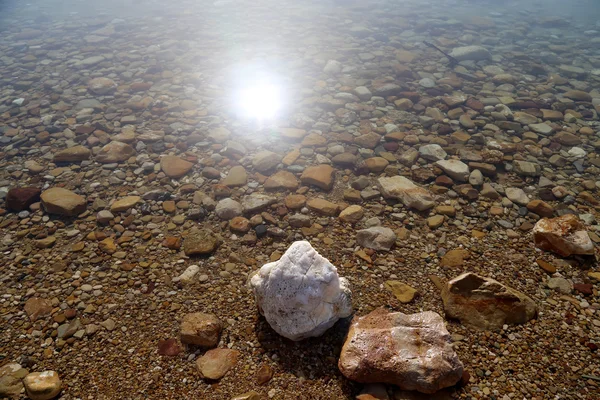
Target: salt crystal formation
point(301, 295)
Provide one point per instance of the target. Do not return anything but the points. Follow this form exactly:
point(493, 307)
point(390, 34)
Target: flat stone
point(45, 242)
point(546, 266)
point(368, 141)
point(376, 238)
point(228, 208)
point(320, 176)
point(403, 292)
point(283, 180)
point(344, 160)
point(323, 207)
point(524, 118)
point(219, 135)
point(115, 152)
point(102, 86)
point(37, 308)
point(215, 363)
point(63, 202)
point(352, 214)
point(265, 160)
point(485, 303)
point(432, 152)
point(73, 154)
point(454, 258)
point(525, 168)
point(567, 138)
point(124, 204)
point(200, 242)
point(237, 176)
point(517, 195)
point(256, 202)
point(403, 189)
point(201, 329)
point(540, 208)
point(542, 129)
point(413, 351)
point(455, 169)
point(475, 53)
point(376, 164)
point(175, 167)
point(578, 95)
point(251, 395)
point(435, 221)
point(560, 284)
point(292, 133)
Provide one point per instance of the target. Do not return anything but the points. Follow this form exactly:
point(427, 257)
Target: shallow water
point(248, 97)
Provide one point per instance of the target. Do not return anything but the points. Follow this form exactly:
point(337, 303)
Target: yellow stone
point(78, 247)
point(108, 246)
point(478, 234)
point(125, 203)
point(291, 157)
point(403, 292)
point(435, 221)
point(454, 258)
point(594, 275)
point(364, 256)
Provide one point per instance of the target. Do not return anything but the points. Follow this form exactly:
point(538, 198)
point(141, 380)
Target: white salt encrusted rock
point(301, 295)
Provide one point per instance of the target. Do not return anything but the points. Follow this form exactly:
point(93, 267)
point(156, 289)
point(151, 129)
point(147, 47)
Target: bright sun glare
point(260, 101)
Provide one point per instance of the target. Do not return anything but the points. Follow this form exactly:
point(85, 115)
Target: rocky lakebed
point(251, 200)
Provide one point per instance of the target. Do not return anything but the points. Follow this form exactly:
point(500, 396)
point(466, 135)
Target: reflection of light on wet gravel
point(260, 101)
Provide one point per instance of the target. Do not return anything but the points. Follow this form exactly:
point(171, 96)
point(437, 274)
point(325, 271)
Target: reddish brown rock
point(320, 176)
point(564, 236)
point(584, 288)
point(36, 308)
point(264, 374)
point(540, 208)
point(411, 351)
point(172, 242)
point(169, 347)
point(239, 224)
point(485, 303)
point(19, 199)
